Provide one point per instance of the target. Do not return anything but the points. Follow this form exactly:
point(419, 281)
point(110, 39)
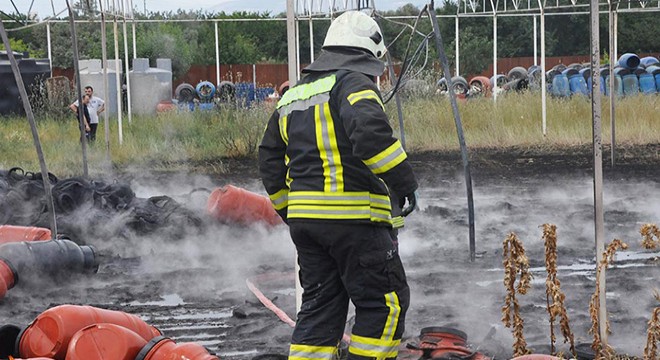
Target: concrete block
point(140, 64)
point(164, 64)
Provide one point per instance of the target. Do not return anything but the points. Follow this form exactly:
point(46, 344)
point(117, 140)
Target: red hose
point(269, 304)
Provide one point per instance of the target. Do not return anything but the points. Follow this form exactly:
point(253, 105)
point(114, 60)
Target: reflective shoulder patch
point(306, 91)
point(364, 95)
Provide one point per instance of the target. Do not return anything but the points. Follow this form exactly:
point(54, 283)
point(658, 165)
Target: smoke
point(448, 290)
point(204, 272)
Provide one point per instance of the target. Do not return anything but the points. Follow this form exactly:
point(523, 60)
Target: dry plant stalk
point(594, 304)
point(553, 290)
point(515, 262)
point(649, 231)
point(653, 333)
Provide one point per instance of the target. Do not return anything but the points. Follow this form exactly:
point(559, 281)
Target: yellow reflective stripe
point(326, 141)
point(398, 222)
point(377, 348)
point(333, 194)
point(310, 352)
point(283, 129)
point(392, 302)
point(306, 91)
point(332, 137)
point(364, 95)
point(320, 144)
point(280, 199)
point(358, 205)
point(387, 159)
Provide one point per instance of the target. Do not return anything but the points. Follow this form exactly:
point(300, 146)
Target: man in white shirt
point(96, 106)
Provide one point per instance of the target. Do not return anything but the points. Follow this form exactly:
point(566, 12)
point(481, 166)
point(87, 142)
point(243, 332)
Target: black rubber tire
point(516, 73)
point(460, 85)
point(226, 91)
point(185, 93)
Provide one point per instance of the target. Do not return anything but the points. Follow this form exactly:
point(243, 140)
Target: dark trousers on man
point(92, 131)
point(341, 262)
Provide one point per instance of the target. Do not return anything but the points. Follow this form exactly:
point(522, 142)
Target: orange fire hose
point(269, 304)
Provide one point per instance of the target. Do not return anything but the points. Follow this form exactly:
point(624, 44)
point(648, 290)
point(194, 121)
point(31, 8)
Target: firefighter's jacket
point(328, 152)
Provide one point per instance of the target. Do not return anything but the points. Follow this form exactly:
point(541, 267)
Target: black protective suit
point(330, 165)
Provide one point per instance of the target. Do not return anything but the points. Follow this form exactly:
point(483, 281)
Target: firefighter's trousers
point(341, 262)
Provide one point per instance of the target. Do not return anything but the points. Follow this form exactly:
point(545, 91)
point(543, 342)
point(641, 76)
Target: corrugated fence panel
point(272, 75)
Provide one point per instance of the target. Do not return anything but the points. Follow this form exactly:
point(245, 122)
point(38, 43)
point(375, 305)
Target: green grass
point(516, 121)
point(199, 140)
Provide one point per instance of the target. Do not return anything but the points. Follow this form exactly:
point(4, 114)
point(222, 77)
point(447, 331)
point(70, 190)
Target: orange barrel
point(233, 204)
point(11, 233)
point(162, 348)
point(165, 106)
point(50, 333)
point(7, 277)
point(480, 85)
point(104, 342)
point(444, 342)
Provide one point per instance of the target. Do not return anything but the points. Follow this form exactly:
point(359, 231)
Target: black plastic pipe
point(49, 257)
point(44, 258)
point(442, 56)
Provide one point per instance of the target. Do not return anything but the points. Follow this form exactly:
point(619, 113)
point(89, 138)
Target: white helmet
point(356, 29)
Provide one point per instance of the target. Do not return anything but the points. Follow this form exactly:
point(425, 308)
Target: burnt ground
point(194, 288)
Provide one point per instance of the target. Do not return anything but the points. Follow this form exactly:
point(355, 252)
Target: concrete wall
point(150, 86)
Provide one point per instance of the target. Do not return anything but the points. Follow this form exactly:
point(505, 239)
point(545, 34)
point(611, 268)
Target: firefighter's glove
point(411, 200)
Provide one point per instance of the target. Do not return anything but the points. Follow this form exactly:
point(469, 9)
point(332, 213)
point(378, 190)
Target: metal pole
point(293, 78)
point(598, 167)
point(614, 56)
point(458, 54)
point(297, 49)
point(495, 54)
point(76, 66)
point(106, 90)
point(616, 33)
point(129, 109)
point(392, 77)
point(254, 81)
point(217, 55)
point(133, 29)
point(291, 42)
point(50, 49)
point(611, 86)
point(544, 85)
point(311, 34)
point(397, 98)
point(33, 127)
point(118, 77)
point(536, 38)
point(459, 126)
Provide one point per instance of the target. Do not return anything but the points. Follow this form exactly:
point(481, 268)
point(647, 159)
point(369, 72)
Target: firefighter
point(335, 173)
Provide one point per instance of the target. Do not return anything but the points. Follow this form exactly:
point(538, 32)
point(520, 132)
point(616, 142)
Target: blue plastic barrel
point(629, 61)
point(618, 85)
point(206, 106)
point(648, 61)
point(560, 86)
point(630, 84)
point(647, 83)
point(577, 85)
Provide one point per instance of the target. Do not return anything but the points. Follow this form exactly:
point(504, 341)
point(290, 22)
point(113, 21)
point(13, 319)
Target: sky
point(43, 7)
